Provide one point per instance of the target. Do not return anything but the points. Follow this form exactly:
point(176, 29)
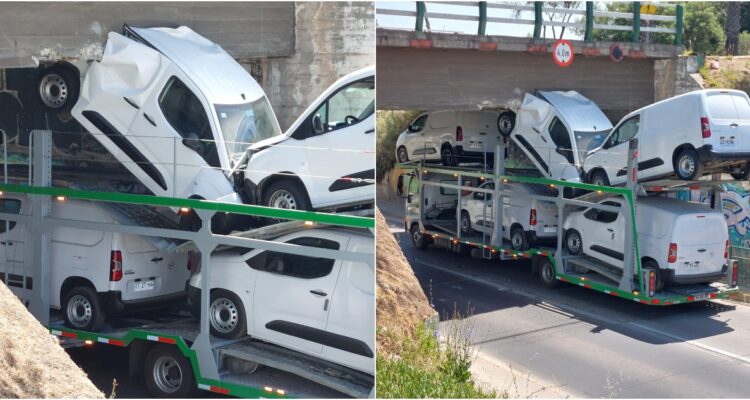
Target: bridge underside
point(435, 79)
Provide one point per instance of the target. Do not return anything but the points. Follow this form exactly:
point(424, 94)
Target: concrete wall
point(675, 76)
point(442, 79)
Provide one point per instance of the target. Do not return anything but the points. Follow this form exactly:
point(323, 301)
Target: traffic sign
point(562, 53)
point(616, 52)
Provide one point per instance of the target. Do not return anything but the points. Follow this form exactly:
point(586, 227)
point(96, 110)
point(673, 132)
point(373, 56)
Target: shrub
point(389, 125)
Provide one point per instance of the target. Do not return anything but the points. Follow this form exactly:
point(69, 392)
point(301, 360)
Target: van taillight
point(115, 266)
point(459, 134)
point(532, 217)
point(672, 257)
point(726, 250)
point(705, 127)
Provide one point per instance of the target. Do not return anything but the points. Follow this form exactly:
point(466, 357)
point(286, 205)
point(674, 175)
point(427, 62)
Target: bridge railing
point(587, 23)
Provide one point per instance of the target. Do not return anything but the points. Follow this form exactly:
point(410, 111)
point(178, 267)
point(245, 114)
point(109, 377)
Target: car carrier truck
point(434, 197)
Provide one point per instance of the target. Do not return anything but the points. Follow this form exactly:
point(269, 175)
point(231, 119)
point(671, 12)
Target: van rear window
point(728, 106)
point(710, 227)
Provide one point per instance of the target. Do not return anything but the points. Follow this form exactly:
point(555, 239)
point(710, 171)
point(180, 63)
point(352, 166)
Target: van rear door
point(699, 253)
point(728, 114)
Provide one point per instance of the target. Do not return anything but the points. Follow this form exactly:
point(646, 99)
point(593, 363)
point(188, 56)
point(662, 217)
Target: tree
point(703, 27)
point(732, 28)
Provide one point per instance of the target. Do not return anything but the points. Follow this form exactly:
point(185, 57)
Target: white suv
point(326, 160)
point(317, 306)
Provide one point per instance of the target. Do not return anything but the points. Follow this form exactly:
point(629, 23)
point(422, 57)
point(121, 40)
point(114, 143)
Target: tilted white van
point(556, 129)
point(317, 306)
point(525, 221)
point(683, 242)
point(93, 274)
point(454, 136)
point(687, 135)
point(326, 160)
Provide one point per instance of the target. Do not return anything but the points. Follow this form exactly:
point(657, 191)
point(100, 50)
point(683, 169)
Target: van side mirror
point(317, 124)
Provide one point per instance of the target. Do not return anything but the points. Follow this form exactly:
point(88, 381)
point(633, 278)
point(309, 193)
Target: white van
point(92, 273)
point(326, 159)
point(556, 130)
point(684, 242)
point(701, 131)
point(172, 106)
point(318, 306)
point(453, 137)
point(526, 222)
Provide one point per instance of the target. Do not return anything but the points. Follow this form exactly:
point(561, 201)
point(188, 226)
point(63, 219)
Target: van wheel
point(403, 155)
point(58, 87)
point(742, 173)
point(687, 165)
point(518, 239)
point(448, 157)
point(547, 274)
point(286, 194)
point(599, 178)
point(653, 266)
point(465, 222)
point(82, 309)
point(227, 315)
point(417, 238)
point(506, 122)
point(168, 373)
point(573, 242)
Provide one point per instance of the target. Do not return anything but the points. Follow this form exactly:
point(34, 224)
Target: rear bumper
point(113, 302)
point(474, 156)
point(707, 155)
point(668, 276)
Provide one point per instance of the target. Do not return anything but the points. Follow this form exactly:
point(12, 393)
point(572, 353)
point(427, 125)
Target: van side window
point(296, 265)
point(625, 132)
point(561, 137)
point(348, 106)
point(186, 114)
point(418, 125)
point(9, 206)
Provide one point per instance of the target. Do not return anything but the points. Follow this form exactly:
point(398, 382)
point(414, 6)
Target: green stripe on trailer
point(253, 210)
point(202, 383)
point(582, 281)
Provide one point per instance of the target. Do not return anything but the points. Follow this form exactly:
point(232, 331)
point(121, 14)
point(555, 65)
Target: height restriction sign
point(562, 53)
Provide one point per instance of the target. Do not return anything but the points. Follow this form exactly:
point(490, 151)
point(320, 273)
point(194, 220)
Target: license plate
point(690, 266)
point(550, 229)
point(726, 141)
point(475, 145)
point(701, 296)
point(143, 286)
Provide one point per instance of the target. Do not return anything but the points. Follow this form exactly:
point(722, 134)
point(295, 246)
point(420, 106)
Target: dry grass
point(401, 304)
point(32, 364)
point(733, 73)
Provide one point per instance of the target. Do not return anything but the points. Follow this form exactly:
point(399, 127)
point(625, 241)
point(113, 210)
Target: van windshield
point(587, 141)
point(245, 124)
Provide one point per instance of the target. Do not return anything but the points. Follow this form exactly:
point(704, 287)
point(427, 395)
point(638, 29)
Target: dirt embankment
point(401, 303)
point(32, 364)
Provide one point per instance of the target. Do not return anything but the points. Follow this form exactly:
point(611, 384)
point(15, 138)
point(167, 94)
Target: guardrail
point(588, 23)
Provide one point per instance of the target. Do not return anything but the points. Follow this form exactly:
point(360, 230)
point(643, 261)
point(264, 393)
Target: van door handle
point(370, 131)
point(318, 292)
point(157, 259)
point(482, 133)
point(734, 125)
point(149, 119)
point(610, 230)
point(701, 250)
point(131, 102)
point(9, 243)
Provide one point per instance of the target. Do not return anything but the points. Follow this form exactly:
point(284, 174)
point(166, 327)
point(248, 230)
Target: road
point(584, 342)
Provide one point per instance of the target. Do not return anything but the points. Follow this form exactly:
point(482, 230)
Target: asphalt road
point(584, 342)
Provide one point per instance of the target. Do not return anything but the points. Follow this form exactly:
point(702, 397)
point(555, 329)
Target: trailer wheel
point(742, 173)
point(465, 222)
point(688, 165)
point(547, 274)
point(82, 309)
point(58, 88)
point(518, 239)
point(573, 242)
point(417, 238)
point(227, 315)
point(168, 373)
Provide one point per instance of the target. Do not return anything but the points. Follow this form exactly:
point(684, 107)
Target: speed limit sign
point(562, 53)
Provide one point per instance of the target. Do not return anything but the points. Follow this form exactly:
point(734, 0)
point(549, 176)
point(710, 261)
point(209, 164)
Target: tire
point(448, 157)
point(221, 223)
point(743, 174)
point(599, 178)
point(190, 221)
point(687, 165)
point(58, 88)
point(547, 274)
point(402, 155)
point(506, 122)
point(465, 222)
point(573, 242)
point(417, 238)
point(82, 309)
point(168, 373)
point(652, 265)
point(518, 239)
point(286, 194)
point(227, 315)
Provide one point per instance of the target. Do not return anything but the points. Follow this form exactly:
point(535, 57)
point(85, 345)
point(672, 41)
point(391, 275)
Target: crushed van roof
point(581, 114)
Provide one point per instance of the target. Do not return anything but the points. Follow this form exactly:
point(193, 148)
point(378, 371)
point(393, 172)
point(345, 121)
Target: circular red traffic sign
point(562, 53)
point(616, 53)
